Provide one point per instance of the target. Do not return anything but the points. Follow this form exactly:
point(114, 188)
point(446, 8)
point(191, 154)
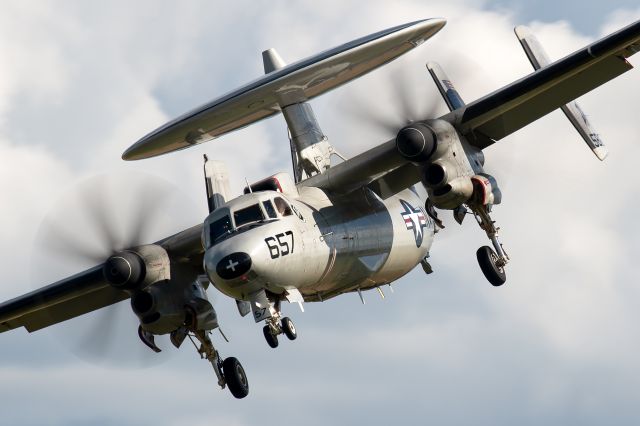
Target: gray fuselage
point(319, 244)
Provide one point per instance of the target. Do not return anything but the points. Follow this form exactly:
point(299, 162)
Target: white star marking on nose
point(232, 265)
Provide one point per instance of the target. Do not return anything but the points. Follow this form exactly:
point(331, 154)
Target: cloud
point(555, 345)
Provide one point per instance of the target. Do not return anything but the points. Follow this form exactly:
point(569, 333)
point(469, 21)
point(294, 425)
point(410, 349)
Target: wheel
point(288, 328)
point(487, 259)
point(271, 339)
point(235, 377)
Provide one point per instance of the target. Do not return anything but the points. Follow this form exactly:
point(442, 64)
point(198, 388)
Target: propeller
point(97, 218)
point(407, 100)
point(401, 97)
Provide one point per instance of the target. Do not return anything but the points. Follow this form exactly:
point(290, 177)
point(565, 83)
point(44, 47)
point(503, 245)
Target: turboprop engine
point(451, 169)
point(137, 268)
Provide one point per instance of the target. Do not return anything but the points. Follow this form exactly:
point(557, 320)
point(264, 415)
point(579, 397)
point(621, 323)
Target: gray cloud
point(557, 344)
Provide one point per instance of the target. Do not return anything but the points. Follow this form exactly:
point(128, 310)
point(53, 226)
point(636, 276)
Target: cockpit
point(247, 212)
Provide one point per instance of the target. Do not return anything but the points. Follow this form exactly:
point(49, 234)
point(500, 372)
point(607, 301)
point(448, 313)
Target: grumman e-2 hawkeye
point(329, 229)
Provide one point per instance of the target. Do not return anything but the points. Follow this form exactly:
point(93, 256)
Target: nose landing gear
point(273, 328)
point(266, 309)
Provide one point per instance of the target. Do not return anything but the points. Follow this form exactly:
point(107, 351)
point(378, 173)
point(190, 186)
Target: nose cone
point(233, 265)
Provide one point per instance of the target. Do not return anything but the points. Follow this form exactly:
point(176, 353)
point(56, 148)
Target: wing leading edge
point(86, 291)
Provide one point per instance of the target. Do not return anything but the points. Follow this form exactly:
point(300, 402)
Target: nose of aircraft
point(232, 265)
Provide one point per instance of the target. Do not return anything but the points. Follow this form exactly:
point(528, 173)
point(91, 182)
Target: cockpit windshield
point(219, 228)
point(243, 219)
point(248, 215)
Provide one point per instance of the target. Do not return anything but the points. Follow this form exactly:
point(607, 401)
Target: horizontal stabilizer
point(445, 87)
point(539, 59)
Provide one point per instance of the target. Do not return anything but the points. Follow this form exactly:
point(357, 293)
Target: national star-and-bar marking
point(415, 219)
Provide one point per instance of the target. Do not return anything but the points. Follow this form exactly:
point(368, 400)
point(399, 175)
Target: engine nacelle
point(416, 142)
point(452, 193)
point(137, 268)
point(450, 166)
point(165, 306)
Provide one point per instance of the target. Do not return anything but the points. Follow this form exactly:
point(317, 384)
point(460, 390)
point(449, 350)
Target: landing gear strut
point(273, 328)
point(267, 308)
point(229, 371)
point(491, 262)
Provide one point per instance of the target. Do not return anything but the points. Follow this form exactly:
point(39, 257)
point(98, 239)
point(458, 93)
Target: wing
point(514, 106)
point(382, 167)
point(87, 291)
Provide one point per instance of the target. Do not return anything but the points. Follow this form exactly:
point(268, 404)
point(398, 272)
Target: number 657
point(280, 244)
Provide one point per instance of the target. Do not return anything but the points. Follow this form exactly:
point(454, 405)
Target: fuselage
point(319, 244)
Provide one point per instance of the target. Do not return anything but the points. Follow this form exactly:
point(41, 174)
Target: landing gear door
point(260, 306)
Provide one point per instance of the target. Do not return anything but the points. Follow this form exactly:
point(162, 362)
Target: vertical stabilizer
point(445, 87)
point(216, 178)
point(539, 59)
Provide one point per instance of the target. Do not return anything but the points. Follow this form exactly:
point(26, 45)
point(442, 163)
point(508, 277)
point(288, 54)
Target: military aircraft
point(337, 225)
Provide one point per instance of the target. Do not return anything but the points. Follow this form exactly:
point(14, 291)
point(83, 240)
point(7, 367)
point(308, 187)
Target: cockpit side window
point(219, 228)
point(247, 215)
point(268, 207)
point(282, 206)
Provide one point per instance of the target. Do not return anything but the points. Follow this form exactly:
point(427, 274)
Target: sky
point(557, 344)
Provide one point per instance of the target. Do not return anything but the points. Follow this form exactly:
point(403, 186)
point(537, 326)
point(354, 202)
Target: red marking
point(484, 183)
point(277, 182)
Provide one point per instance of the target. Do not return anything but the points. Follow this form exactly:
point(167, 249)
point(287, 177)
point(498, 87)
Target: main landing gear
point(229, 371)
point(492, 262)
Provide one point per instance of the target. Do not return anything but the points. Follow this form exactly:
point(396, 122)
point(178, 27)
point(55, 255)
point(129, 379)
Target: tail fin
point(448, 92)
point(539, 59)
point(216, 180)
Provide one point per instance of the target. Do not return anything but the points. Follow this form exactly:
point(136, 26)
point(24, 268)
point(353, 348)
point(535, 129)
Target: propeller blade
point(408, 100)
point(103, 215)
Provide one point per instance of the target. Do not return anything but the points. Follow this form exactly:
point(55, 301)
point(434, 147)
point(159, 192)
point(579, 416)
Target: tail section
point(444, 85)
point(539, 59)
point(216, 178)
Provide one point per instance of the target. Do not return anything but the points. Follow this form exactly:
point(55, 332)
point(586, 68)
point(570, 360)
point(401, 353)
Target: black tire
point(271, 339)
point(235, 377)
point(288, 328)
point(487, 261)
